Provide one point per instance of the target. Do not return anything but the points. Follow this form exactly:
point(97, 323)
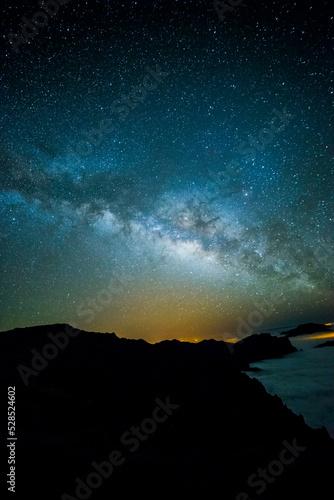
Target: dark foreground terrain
point(107, 418)
point(329, 343)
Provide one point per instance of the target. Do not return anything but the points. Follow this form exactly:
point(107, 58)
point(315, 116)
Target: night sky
point(164, 171)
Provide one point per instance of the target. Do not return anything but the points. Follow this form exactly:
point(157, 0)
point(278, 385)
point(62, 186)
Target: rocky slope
point(174, 419)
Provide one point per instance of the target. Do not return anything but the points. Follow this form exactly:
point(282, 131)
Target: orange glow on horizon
point(232, 340)
point(321, 336)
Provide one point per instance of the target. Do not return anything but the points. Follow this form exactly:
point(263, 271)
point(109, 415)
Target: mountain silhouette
point(171, 419)
point(329, 343)
point(306, 329)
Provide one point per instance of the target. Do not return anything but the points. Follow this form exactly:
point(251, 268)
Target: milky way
point(163, 171)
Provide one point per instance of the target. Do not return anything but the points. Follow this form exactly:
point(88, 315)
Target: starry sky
point(164, 171)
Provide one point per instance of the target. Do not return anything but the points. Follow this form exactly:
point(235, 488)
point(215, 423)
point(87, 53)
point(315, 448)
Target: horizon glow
point(206, 182)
